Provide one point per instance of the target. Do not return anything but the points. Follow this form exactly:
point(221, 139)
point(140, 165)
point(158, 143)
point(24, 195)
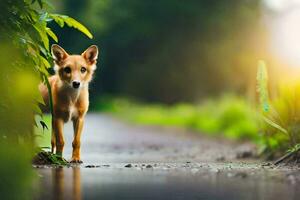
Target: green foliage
point(25, 60)
point(27, 26)
point(61, 20)
point(280, 122)
point(26, 56)
point(295, 148)
point(229, 116)
point(48, 158)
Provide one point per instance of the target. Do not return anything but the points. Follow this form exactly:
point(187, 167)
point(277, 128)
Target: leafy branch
point(25, 24)
point(35, 34)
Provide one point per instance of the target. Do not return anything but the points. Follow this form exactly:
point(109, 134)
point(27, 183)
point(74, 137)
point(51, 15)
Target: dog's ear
point(91, 54)
point(58, 53)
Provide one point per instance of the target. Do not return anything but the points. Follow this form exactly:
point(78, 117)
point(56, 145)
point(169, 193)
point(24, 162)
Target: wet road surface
point(122, 161)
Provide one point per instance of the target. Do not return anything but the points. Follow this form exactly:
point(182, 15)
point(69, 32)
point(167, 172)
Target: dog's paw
point(76, 161)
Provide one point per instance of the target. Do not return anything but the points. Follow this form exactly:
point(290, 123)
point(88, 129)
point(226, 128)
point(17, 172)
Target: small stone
point(215, 170)
point(149, 166)
point(245, 153)
point(128, 165)
point(266, 164)
point(90, 166)
point(220, 158)
point(241, 174)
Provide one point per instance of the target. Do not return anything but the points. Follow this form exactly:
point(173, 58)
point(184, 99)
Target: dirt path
point(123, 161)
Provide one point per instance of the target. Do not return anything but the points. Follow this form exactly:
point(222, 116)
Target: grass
point(280, 114)
point(229, 116)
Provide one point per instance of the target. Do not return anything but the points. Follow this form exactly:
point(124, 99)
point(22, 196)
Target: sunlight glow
point(281, 4)
point(285, 30)
point(286, 37)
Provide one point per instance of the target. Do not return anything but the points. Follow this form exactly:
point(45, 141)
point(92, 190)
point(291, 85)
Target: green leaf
point(294, 149)
point(77, 25)
point(45, 62)
point(40, 99)
point(262, 86)
point(37, 110)
point(71, 22)
point(41, 29)
point(40, 3)
point(277, 126)
point(52, 34)
point(43, 50)
point(57, 19)
point(43, 17)
point(43, 71)
point(44, 125)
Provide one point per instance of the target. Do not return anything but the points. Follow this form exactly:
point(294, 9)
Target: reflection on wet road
point(163, 165)
point(61, 184)
point(160, 183)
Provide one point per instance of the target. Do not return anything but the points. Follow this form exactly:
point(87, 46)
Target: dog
point(70, 95)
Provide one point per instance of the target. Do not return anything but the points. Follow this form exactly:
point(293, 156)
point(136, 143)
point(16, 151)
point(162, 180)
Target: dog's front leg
point(58, 125)
point(78, 125)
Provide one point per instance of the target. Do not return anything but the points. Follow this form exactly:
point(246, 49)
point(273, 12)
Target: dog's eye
point(67, 70)
point(83, 69)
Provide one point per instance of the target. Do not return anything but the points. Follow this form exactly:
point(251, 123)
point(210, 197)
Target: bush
point(229, 116)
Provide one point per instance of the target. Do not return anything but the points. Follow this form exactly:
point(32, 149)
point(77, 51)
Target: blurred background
point(172, 51)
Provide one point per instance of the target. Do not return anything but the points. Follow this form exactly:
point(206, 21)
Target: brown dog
point(70, 94)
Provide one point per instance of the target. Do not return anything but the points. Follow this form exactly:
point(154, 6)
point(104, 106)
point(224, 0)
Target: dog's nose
point(75, 84)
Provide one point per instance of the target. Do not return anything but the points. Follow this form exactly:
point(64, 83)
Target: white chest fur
point(69, 97)
point(73, 112)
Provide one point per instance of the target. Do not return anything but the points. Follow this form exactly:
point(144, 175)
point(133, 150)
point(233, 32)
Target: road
point(124, 161)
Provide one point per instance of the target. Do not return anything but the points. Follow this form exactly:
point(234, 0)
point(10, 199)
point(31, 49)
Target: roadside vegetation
point(271, 123)
point(280, 115)
point(25, 62)
point(229, 116)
